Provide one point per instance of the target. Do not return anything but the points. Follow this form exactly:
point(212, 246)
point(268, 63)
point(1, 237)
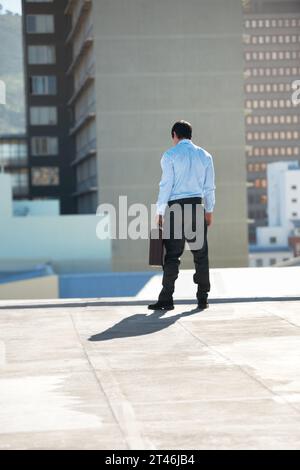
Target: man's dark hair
point(183, 130)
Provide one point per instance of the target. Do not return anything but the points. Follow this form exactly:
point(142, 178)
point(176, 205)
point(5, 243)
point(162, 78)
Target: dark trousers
point(174, 250)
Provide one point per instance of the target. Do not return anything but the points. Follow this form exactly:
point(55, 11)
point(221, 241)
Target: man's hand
point(159, 220)
point(209, 218)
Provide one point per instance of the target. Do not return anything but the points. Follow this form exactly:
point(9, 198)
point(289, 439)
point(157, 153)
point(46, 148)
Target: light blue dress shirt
point(187, 171)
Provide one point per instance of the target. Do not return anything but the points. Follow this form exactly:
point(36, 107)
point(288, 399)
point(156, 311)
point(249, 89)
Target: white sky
point(12, 5)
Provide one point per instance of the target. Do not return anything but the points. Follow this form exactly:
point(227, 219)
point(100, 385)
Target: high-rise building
point(272, 63)
point(81, 39)
point(137, 67)
point(46, 58)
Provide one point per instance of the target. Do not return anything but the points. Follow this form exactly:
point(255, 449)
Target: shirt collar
point(184, 141)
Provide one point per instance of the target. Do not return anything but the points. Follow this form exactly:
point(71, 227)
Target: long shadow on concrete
point(141, 324)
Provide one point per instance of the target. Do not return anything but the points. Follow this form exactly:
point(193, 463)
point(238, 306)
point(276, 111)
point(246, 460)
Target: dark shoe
point(161, 306)
point(203, 305)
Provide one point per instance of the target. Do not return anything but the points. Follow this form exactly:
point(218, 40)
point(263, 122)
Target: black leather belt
point(186, 200)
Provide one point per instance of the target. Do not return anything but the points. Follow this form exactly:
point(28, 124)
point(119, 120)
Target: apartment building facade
point(46, 58)
point(272, 64)
point(83, 103)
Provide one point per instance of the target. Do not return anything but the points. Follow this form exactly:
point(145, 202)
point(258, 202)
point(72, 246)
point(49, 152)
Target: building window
point(12, 149)
point(294, 187)
point(44, 146)
point(41, 55)
point(40, 24)
point(45, 176)
point(43, 115)
point(259, 263)
point(19, 180)
point(263, 199)
point(272, 261)
point(273, 240)
point(43, 85)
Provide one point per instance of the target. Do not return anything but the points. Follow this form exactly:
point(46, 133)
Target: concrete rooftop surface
point(94, 375)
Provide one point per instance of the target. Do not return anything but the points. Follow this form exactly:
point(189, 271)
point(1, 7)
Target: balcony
point(83, 49)
point(86, 81)
point(86, 151)
point(86, 186)
point(78, 20)
point(69, 7)
point(88, 115)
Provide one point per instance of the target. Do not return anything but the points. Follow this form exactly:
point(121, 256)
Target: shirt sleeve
point(165, 185)
point(209, 187)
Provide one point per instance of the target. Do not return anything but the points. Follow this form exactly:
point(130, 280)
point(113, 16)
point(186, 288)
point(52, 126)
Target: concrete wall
point(68, 243)
point(40, 288)
point(5, 195)
point(36, 208)
point(157, 62)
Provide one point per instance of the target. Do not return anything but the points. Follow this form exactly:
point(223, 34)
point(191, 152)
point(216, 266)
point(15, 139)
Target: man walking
point(188, 178)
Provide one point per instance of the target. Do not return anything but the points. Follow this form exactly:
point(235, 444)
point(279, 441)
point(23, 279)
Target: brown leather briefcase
point(156, 249)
